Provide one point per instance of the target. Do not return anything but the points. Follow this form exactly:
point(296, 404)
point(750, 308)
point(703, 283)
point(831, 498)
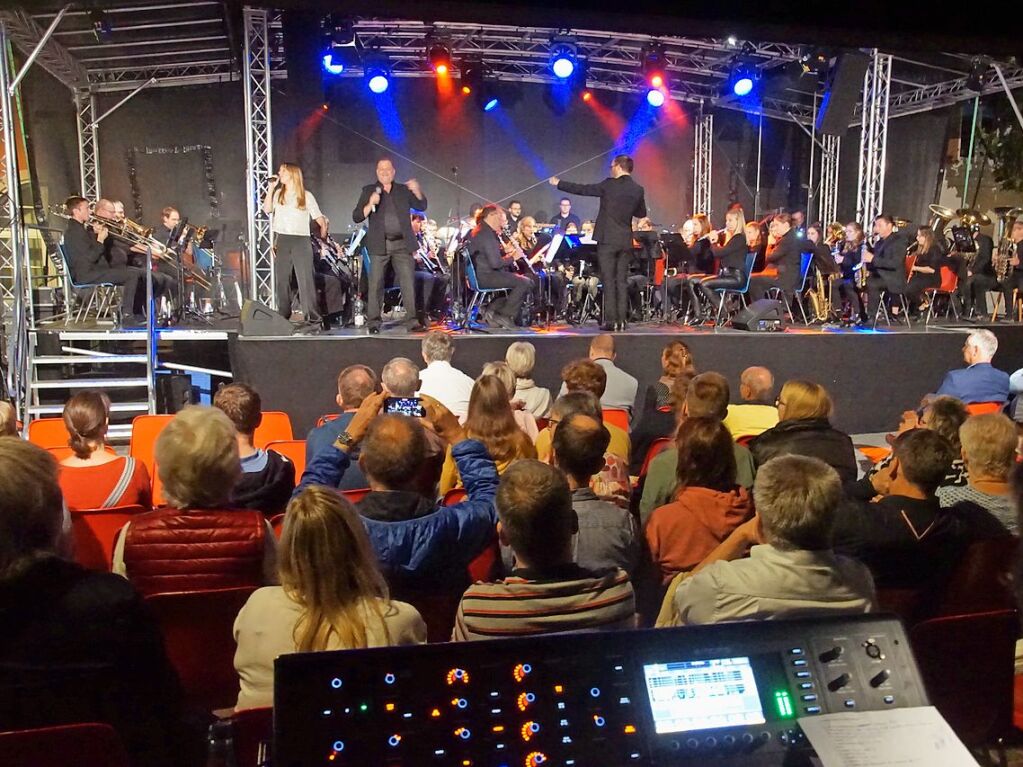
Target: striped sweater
point(563, 598)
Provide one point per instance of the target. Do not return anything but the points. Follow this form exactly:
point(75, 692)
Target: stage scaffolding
point(703, 163)
point(873, 140)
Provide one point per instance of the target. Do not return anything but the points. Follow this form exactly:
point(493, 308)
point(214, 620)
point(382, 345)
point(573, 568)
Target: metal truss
point(702, 163)
point(827, 211)
point(88, 144)
point(930, 97)
point(874, 139)
point(25, 32)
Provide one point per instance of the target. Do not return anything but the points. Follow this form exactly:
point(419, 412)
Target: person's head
point(796, 497)
point(515, 208)
point(292, 182)
point(602, 347)
point(578, 447)
point(707, 397)
point(400, 377)
point(854, 232)
point(884, 225)
point(354, 384)
point(675, 357)
point(170, 217)
point(521, 358)
point(801, 400)
point(980, 346)
point(756, 384)
point(503, 372)
point(31, 506)
point(567, 405)
point(621, 165)
point(584, 375)
point(494, 217)
point(989, 446)
point(571, 228)
point(921, 459)
point(944, 415)
point(197, 458)
point(392, 452)
point(586, 230)
point(490, 419)
point(781, 224)
point(242, 404)
point(535, 514)
point(119, 213)
point(1016, 233)
point(702, 222)
point(77, 207)
point(735, 221)
point(754, 236)
point(105, 209)
point(474, 212)
point(688, 230)
point(565, 206)
point(644, 225)
point(8, 419)
point(813, 233)
point(706, 454)
point(437, 347)
point(678, 390)
point(417, 222)
point(925, 238)
point(527, 224)
point(385, 171)
point(87, 417)
point(797, 218)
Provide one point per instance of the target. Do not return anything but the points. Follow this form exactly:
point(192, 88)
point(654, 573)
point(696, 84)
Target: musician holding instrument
point(493, 259)
point(291, 207)
point(1012, 245)
point(785, 257)
point(980, 272)
point(886, 263)
point(120, 251)
point(849, 260)
point(926, 271)
point(731, 257)
point(432, 279)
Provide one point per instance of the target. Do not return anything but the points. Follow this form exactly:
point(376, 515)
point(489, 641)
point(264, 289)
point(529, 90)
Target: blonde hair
point(327, 567)
point(503, 372)
point(796, 497)
point(805, 400)
point(197, 458)
point(989, 444)
point(521, 358)
point(31, 508)
point(526, 221)
point(296, 176)
point(738, 223)
point(8, 420)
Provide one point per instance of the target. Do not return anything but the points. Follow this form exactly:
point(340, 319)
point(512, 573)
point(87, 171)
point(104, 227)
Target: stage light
point(101, 26)
point(742, 86)
point(491, 103)
point(340, 45)
point(743, 78)
point(377, 78)
point(655, 98)
point(439, 56)
point(331, 65)
point(587, 95)
point(466, 90)
point(563, 60)
point(975, 79)
point(732, 41)
point(654, 66)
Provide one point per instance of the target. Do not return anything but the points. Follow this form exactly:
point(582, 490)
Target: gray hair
point(521, 357)
point(796, 498)
point(401, 377)
point(437, 347)
point(984, 341)
point(503, 372)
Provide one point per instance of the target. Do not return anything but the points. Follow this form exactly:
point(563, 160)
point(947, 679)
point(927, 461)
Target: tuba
point(1001, 260)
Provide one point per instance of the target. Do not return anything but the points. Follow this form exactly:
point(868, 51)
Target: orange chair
point(617, 416)
point(294, 451)
point(354, 496)
point(198, 630)
point(83, 745)
point(275, 427)
point(144, 431)
point(950, 289)
point(60, 453)
point(95, 531)
point(277, 523)
point(983, 408)
point(48, 432)
point(657, 447)
point(453, 496)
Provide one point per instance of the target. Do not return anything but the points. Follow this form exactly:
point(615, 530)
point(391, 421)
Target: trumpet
point(836, 233)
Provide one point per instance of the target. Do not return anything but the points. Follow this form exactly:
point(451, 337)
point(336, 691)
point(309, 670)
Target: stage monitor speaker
point(762, 316)
point(260, 320)
point(845, 85)
point(173, 392)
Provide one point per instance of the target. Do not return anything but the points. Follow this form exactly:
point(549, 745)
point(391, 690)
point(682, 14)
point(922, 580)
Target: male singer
point(621, 200)
point(390, 240)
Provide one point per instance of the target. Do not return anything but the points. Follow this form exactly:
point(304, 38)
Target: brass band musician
point(492, 259)
point(977, 275)
point(926, 272)
point(430, 277)
point(849, 260)
point(1014, 279)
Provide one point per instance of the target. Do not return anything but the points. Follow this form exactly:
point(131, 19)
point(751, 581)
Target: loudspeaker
point(173, 392)
point(845, 85)
point(765, 315)
point(260, 320)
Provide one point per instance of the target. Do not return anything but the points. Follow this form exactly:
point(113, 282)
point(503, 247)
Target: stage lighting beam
point(439, 56)
point(564, 60)
point(655, 98)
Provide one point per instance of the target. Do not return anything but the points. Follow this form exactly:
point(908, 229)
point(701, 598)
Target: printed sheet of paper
point(901, 737)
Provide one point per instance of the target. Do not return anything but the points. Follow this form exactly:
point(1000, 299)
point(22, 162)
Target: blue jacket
point(977, 383)
point(323, 437)
point(417, 542)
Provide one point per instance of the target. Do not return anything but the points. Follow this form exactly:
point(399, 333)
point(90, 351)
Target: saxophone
point(1002, 259)
point(820, 302)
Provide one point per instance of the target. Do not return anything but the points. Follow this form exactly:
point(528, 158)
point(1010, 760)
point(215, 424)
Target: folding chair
point(95, 531)
point(102, 295)
point(48, 432)
point(805, 260)
point(949, 288)
point(882, 304)
point(479, 295)
point(275, 426)
point(742, 293)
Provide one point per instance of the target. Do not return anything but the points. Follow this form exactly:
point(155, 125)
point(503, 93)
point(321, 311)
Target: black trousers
point(431, 291)
point(729, 279)
point(976, 291)
point(916, 286)
point(130, 278)
point(635, 285)
point(517, 284)
point(875, 286)
point(846, 290)
point(397, 255)
point(614, 273)
point(759, 286)
point(1014, 281)
point(294, 253)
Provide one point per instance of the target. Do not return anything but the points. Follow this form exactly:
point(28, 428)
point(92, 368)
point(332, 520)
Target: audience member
point(706, 397)
point(523, 417)
point(268, 478)
point(400, 378)
point(675, 360)
point(791, 571)
point(989, 451)
point(449, 386)
point(491, 420)
point(77, 645)
point(332, 596)
point(620, 388)
point(979, 381)
point(804, 428)
point(8, 419)
point(417, 543)
point(707, 505)
point(198, 541)
point(548, 592)
point(945, 415)
point(354, 384)
point(658, 424)
point(521, 357)
point(608, 534)
point(757, 413)
point(587, 376)
point(94, 477)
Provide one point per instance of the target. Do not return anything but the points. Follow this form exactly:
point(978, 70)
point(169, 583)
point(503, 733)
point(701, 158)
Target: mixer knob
point(728, 740)
point(747, 738)
point(831, 655)
point(839, 682)
point(880, 677)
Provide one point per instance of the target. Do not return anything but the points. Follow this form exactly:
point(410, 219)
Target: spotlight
point(377, 78)
point(743, 78)
point(587, 96)
point(975, 80)
point(655, 98)
point(477, 79)
point(491, 103)
point(340, 45)
point(101, 26)
point(332, 65)
point(472, 75)
point(732, 41)
point(654, 65)
point(563, 60)
point(439, 56)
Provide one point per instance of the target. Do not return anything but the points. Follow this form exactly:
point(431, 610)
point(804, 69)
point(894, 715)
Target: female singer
point(290, 208)
point(732, 259)
point(927, 269)
point(848, 259)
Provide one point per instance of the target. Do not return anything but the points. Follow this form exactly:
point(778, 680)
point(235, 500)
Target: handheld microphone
point(378, 190)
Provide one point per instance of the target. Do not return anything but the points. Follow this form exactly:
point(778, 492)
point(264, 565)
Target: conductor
point(621, 200)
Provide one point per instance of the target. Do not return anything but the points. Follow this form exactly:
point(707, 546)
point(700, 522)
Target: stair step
point(91, 383)
point(90, 359)
point(116, 407)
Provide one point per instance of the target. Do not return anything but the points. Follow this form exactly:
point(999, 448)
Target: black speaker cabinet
point(260, 320)
point(762, 316)
point(845, 86)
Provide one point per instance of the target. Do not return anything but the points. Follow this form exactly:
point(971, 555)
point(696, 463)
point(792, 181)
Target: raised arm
point(584, 190)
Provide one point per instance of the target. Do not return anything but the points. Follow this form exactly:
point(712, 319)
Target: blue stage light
point(331, 65)
point(491, 104)
point(378, 82)
point(655, 98)
point(742, 86)
point(564, 60)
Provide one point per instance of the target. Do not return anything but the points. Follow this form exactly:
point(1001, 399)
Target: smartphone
point(410, 406)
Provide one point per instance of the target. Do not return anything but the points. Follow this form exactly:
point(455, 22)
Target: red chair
point(967, 666)
point(326, 418)
point(617, 417)
point(83, 745)
point(294, 451)
point(657, 447)
point(356, 495)
point(949, 288)
point(982, 581)
point(277, 523)
point(95, 531)
point(983, 408)
point(144, 431)
point(252, 733)
point(453, 496)
point(745, 439)
point(48, 432)
point(198, 629)
point(275, 427)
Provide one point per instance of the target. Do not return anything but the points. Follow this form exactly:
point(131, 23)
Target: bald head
point(393, 452)
point(579, 444)
point(756, 384)
point(400, 377)
point(602, 347)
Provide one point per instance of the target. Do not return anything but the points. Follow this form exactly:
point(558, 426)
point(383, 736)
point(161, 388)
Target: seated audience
point(77, 645)
point(268, 478)
point(523, 417)
point(804, 428)
point(354, 384)
point(989, 450)
point(757, 413)
point(521, 357)
point(706, 397)
point(8, 420)
point(491, 420)
point(585, 376)
point(608, 534)
point(620, 387)
point(979, 382)
point(707, 505)
point(945, 415)
point(417, 543)
point(791, 571)
point(548, 592)
point(95, 477)
point(449, 386)
point(332, 596)
point(198, 541)
point(675, 360)
point(658, 424)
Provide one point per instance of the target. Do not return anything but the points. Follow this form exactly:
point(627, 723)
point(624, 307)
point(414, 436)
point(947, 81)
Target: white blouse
point(290, 219)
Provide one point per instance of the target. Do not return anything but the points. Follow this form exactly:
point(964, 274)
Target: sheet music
point(901, 737)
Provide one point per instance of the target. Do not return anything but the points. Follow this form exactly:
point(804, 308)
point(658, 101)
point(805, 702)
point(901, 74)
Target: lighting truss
point(828, 202)
point(702, 163)
point(874, 139)
point(25, 32)
point(88, 144)
point(943, 94)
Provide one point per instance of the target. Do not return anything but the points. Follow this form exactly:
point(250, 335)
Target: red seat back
point(453, 496)
point(48, 432)
point(354, 496)
point(277, 523)
point(983, 408)
point(95, 531)
point(275, 427)
point(949, 280)
point(144, 431)
point(198, 628)
point(252, 732)
point(326, 418)
point(60, 453)
point(294, 451)
point(657, 447)
point(83, 745)
point(982, 581)
point(745, 439)
point(617, 417)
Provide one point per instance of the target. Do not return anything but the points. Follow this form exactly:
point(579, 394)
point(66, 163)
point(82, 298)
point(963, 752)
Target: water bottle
point(359, 312)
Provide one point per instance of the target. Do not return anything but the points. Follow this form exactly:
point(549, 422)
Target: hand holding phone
point(410, 406)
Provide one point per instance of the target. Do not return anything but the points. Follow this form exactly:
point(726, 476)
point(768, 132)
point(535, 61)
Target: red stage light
point(442, 69)
point(657, 79)
point(325, 107)
point(466, 90)
point(587, 95)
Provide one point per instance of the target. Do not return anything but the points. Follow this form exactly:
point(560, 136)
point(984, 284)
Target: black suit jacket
point(404, 202)
point(732, 255)
point(786, 257)
point(890, 262)
point(621, 200)
point(982, 261)
point(485, 250)
point(85, 254)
